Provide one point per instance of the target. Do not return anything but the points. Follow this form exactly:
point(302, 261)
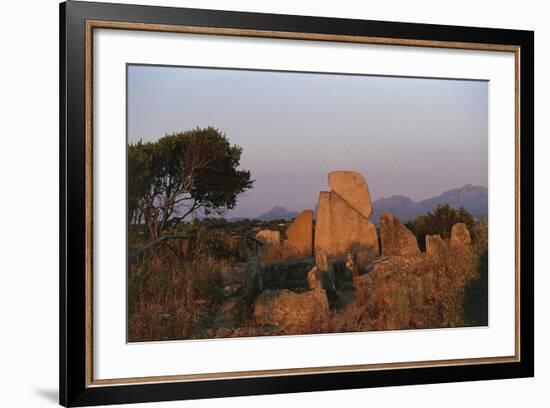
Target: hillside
point(473, 198)
point(277, 213)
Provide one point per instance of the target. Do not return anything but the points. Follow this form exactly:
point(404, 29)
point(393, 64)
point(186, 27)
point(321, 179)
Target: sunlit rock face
point(352, 187)
point(340, 228)
point(292, 313)
point(396, 239)
point(300, 234)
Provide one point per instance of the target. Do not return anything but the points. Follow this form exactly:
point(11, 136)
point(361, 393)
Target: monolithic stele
point(340, 229)
point(352, 188)
point(300, 233)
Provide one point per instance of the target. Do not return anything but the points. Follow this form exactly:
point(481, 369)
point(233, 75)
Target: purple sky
point(409, 136)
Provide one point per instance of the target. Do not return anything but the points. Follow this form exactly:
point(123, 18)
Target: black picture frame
point(74, 389)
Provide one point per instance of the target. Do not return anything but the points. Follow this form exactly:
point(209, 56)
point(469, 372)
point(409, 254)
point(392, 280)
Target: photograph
point(264, 203)
point(257, 202)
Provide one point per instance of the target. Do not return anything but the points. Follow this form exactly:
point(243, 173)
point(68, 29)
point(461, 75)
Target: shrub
point(170, 296)
point(439, 222)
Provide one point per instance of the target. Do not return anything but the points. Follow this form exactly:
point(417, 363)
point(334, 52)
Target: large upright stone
point(436, 247)
point(340, 229)
point(396, 239)
point(352, 188)
point(314, 278)
point(300, 233)
point(460, 236)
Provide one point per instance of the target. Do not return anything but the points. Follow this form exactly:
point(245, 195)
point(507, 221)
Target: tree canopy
point(440, 221)
point(179, 174)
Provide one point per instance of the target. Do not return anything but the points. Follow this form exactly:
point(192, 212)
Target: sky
point(416, 137)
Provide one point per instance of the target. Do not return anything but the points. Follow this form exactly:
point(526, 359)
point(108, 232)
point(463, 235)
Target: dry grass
point(277, 253)
point(175, 292)
point(413, 292)
point(169, 295)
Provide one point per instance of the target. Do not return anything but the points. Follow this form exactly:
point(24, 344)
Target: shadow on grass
point(476, 296)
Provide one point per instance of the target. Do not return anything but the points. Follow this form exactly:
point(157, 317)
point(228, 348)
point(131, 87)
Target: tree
point(182, 173)
point(440, 222)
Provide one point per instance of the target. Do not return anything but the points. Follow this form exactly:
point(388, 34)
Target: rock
point(321, 261)
point(300, 234)
point(286, 275)
point(436, 246)
point(424, 290)
point(325, 271)
point(352, 188)
point(236, 273)
point(255, 281)
point(404, 292)
point(243, 275)
point(460, 236)
point(396, 239)
point(227, 316)
point(461, 252)
point(269, 237)
point(341, 229)
point(351, 264)
point(271, 250)
point(230, 290)
point(314, 280)
point(293, 313)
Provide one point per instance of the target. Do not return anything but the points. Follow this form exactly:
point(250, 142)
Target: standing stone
point(300, 234)
point(323, 241)
point(314, 279)
point(324, 270)
point(436, 246)
point(396, 239)
point(352, 188)
point(340, 229)
point(460, 236)
point(321, 261)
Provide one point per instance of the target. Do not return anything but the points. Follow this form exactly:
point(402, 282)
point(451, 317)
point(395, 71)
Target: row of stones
point(342, 220)
point(342, 225)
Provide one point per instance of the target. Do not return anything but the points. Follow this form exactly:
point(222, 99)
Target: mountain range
point(473, 198)
point(277, 213)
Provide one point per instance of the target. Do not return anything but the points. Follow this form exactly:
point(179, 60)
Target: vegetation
point(173, 290)
point(206, 283)
point(473, 299)
point(174, 287)
point(476, 294)
point(241, 226)
point(180, 174)
point(445, 290)
point(439, 222)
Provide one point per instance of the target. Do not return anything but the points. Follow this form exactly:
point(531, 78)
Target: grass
point(419, 292)
point(176, 289)
point(171, 293)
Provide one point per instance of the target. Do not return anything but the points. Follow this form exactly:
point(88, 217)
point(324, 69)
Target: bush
point(440, 222)
point(169, 295)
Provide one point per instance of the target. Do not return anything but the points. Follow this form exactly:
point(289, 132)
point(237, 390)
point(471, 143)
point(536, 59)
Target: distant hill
point(277, 213)
point(473, 198)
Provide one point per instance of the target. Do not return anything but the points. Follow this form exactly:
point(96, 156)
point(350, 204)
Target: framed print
point(256, 203)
